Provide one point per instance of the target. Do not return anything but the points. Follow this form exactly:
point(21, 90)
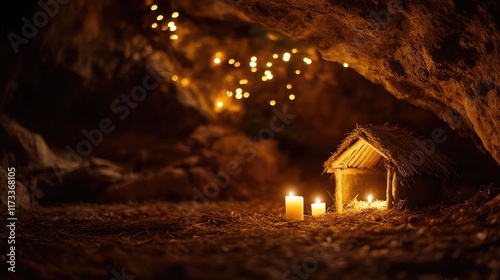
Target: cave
point(160, 139)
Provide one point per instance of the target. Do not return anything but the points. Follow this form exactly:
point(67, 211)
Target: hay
point(253, 240)
point(360, 205)
point(397, 146)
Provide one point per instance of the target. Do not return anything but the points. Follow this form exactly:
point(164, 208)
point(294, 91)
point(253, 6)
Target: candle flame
point(370, 198)
point(291, 193)
point(317, 200)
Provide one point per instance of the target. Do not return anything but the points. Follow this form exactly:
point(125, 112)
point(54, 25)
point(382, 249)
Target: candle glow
point(294, 207)
point(318, 208)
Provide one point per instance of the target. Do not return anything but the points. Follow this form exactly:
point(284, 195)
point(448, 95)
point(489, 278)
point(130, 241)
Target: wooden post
point(395, 187)
point(389, 188)
point(339, 206)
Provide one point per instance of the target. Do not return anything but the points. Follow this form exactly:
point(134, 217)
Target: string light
point(286, 56)
point(345, 64)
point(219, 58)
point(185, 82)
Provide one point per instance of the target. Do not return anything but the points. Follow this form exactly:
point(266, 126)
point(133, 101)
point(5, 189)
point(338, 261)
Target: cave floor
point(252, 240)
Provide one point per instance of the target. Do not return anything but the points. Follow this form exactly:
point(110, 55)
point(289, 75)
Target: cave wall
point(439, 55)
point(66, 78)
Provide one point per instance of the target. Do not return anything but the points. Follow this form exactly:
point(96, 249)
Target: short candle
point(318, 208)
point(294, 206)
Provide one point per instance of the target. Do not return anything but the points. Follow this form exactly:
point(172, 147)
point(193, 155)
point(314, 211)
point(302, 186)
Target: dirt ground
point(253, 240)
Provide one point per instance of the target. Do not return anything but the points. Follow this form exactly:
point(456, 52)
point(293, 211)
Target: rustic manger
point(388, 163)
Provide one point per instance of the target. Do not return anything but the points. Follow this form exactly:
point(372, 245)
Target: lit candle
point(294, 206)
point(370, 198)
point(318, 208)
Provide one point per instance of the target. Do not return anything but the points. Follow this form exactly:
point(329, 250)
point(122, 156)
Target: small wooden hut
point(389, 163)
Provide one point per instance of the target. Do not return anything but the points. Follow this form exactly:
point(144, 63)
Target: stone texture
point(439, 55)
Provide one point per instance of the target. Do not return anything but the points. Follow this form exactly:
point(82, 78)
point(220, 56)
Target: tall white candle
point(318, 208)
point(294, 206)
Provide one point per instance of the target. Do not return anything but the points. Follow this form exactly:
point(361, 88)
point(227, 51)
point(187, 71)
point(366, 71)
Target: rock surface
point(439, 55)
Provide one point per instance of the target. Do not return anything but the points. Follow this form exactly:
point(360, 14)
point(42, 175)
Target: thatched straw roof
point(394, 146)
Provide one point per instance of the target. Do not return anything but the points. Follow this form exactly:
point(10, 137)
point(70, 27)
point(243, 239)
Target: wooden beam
point(339, 206)
point(389, 188)
point(363, 171)
point(395, 186)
